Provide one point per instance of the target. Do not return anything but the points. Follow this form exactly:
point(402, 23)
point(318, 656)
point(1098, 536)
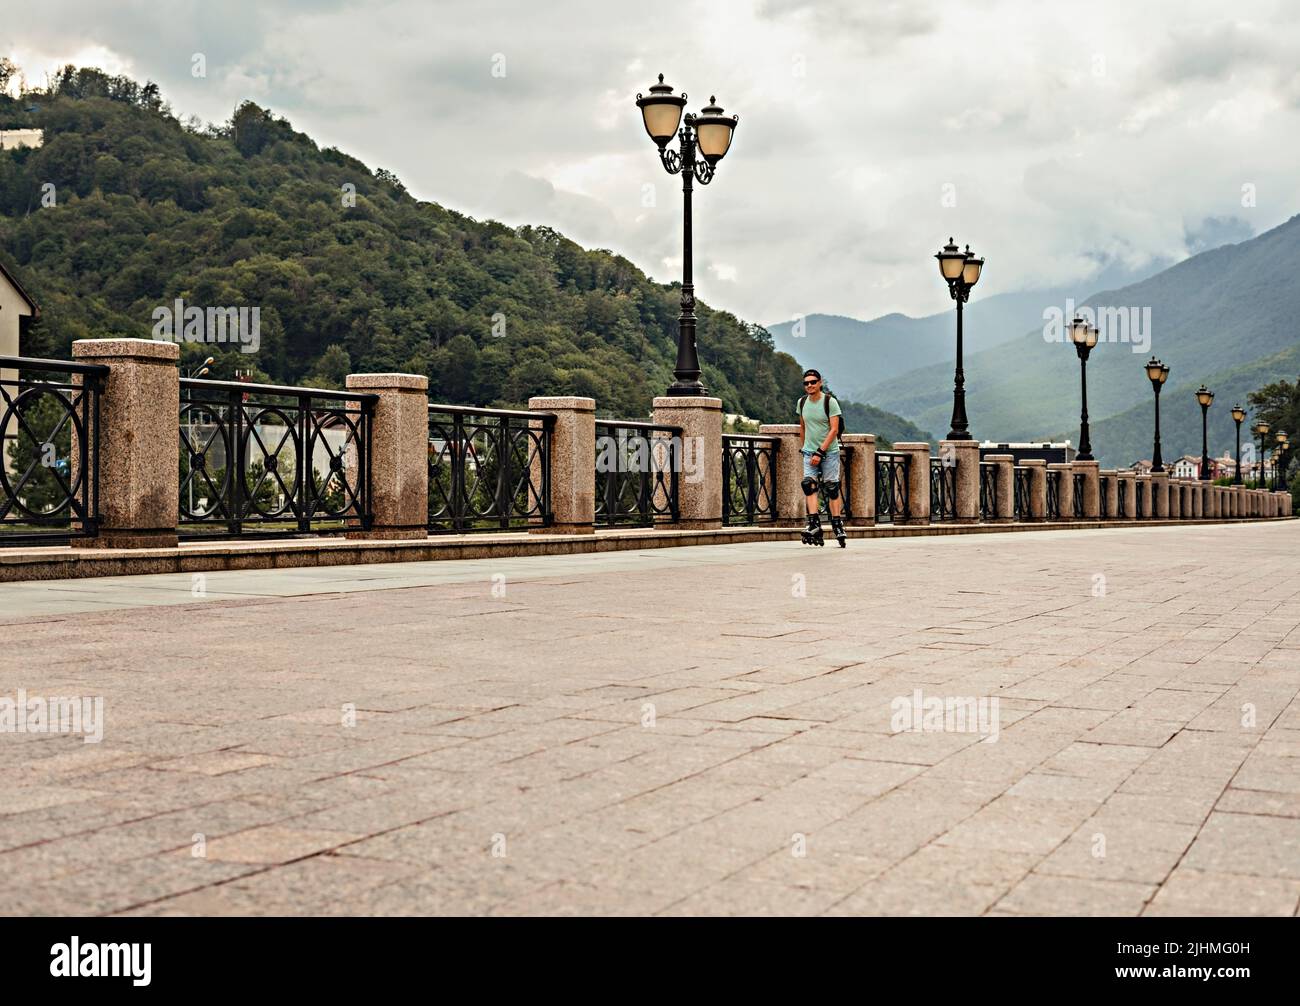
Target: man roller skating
point(820, 425)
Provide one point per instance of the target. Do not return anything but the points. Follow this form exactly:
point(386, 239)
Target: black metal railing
point(638, 467)
point(1103, 497)
point(49, 449)
point(749, 478)
point(943, 490)
point(1023, 490)
point(265, 459)
point(1076, 494)
point(988, 490)
point(489, 469)
point(1121, 497)
point(892, 492)
point(1053, 494)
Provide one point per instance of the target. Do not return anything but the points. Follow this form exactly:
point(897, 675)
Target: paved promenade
point(1069, 722)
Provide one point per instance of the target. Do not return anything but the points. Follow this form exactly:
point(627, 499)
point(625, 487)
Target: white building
point(17, 309)
point(15, 139)
point(1186, 467)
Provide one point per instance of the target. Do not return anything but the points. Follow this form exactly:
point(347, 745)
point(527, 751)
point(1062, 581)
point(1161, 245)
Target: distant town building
point(17, 309)
point(1186, 467)
point(1052, 453)
point(15, 139)
point(1142, 467)
point(1224, 467)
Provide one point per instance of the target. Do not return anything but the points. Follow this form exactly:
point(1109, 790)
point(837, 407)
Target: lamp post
point(1279, 460)
point(1158, 374)
point(1205, 396)
point(961, 270)
point(702, 143)
point(1260, 429)
point(1238, 414)
point(1084, 337)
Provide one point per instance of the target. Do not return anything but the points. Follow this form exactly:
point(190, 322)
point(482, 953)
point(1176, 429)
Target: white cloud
point(1068, 142)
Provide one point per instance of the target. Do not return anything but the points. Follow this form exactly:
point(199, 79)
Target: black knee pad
point(832, 490)
point(809, 486)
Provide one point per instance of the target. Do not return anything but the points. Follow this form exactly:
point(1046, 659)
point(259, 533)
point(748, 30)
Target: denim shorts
point(827, 471)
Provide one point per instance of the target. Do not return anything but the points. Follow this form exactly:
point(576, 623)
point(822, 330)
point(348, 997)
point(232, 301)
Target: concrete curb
point(58, 563)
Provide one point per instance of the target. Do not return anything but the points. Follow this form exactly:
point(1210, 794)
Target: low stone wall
point(139, 491)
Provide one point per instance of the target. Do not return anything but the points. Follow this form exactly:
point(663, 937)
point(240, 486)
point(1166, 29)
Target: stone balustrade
point(137, 467)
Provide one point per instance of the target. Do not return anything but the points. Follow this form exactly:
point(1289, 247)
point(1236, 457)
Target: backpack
point(826, 402)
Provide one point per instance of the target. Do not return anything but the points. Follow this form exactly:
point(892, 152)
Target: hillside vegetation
point(125, 209)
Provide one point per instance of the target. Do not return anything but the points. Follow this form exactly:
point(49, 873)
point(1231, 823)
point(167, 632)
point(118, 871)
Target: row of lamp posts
point(962, 271)
point(704, 140)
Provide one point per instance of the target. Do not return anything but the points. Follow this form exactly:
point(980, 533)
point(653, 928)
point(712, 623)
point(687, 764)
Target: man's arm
point(824, 446)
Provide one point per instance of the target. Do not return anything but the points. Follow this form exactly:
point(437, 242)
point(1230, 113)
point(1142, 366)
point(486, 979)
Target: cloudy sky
point(1057, 139)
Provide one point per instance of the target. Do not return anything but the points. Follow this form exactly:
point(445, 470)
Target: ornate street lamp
point(709, 136)
point(1260, 429)
point(1238, 414)
point(1279, 463)
point(1084, 337)
point(1158, 374)
point(1205, 396)
point(961, 270)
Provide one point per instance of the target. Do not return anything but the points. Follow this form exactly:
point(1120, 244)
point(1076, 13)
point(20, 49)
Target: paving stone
point(1195, 892)
point(497, 764)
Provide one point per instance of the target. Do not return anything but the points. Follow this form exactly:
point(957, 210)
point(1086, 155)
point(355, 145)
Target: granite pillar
point(139, 416)
point(573, 464)
point(700, 482)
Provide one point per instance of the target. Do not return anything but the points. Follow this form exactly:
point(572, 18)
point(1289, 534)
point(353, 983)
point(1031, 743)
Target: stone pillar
point(1175, 498)
point(1112, 494)
point(399, 455)
point(1037, 489)
point(791, 507)
point(1064, 489)
point(1198, 501)
point(1159, 495)
point(1130, 495)
point(1005, 511)
point(965, 454)
point(1211, 503)
point(861, 478)
point(1235, 503)
point(1146, 493)
point(573, 464)
point(918, 482)
point(1091, 471)
point(700, 483)
point(139, 441)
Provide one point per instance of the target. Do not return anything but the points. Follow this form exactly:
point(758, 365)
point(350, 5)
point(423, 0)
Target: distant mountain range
point(1229, 317)
point(861, 354)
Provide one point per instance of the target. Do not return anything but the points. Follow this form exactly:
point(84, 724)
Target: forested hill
point(148, 209)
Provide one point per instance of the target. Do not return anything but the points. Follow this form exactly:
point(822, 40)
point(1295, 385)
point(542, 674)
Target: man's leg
point(812, 533)
point(831, 484)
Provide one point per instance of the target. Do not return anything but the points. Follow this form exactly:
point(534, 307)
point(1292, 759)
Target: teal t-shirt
point(816, 426)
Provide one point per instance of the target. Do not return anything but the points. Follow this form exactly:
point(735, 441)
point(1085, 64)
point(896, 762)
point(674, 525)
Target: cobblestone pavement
point(680, 731)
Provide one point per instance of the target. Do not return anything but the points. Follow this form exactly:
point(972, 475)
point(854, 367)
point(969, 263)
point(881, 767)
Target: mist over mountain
point(864, 353)
point(1228, 317)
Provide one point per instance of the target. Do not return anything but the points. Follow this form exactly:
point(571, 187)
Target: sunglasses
point(810, 383)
